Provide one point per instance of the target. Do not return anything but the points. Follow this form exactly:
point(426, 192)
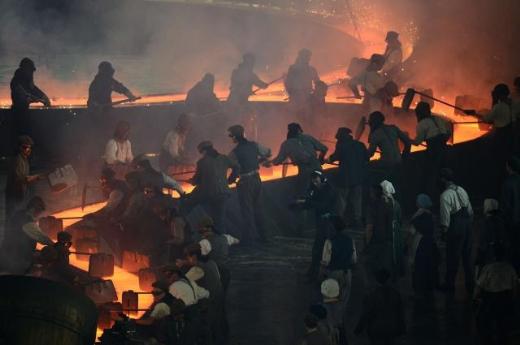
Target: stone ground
point(269, 296)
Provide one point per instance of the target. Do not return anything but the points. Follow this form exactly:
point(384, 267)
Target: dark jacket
point(341, 254)
point(510, 200)
point(242, 81)
point(315, 338)
point(23, 90)
point(381, 216)
point(353, 158)
point(17, 250)
point(202, 100)
point(322, 200)
point(17, 173)
point(219, 249)
point(101, 88)
point(382, 314)
point(210, 178)
point(248, 155)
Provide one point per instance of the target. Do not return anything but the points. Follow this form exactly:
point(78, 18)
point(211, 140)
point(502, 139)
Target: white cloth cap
point(205, 247)
point(388, 188)
point(330, 288)
point(490, 205)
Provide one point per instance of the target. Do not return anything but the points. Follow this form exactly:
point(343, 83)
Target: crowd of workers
point(189, 299)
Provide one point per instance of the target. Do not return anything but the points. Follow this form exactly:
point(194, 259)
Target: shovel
point(410, 93)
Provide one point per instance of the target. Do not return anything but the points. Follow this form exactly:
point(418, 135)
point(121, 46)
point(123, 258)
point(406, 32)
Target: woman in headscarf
point(397, 238)
point(385, 248)
point(425, 254)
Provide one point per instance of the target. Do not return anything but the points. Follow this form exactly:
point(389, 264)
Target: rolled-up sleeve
point(110, 152)
point(444, 211)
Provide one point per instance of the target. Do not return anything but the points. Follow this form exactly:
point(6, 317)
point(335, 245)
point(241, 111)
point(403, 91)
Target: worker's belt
point(251, 173)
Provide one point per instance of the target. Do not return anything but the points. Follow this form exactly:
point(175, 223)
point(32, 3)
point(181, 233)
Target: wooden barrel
point(36, 311)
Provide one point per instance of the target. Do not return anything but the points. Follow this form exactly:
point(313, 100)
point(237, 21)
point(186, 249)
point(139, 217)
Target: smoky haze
point(156, 46)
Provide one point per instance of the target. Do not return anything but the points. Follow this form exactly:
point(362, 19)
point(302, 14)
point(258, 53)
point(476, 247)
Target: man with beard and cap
point(248, 155)
point(299, 84)
point(393, 56)
point(201, 98)
point(101, 88)
point(211, 184)
point(353, 161)
point(242, 81)
point(371, 82)
point(23, 93)
point(386, 138)
point(301, 149)
point(22, 234)
point(456, 215)
point(19, 178)
point(321, 198)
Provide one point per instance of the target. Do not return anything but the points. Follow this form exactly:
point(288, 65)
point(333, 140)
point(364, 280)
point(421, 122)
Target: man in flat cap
point(248, 155)
point(18, 176)
point(211, 184)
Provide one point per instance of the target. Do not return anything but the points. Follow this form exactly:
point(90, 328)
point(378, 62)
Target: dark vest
point(342, 249)
point(219, 249)
point(247, 156)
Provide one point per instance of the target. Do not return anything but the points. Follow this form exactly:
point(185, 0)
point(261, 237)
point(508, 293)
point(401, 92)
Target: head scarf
point(424, 201)
point(388, 189)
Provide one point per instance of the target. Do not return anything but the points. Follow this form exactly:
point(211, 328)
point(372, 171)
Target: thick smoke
point(158, 46)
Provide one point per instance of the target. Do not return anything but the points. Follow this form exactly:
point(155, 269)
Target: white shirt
point(393, 60)
point(160, 311)
point(451, 200)
point(116, 152)
point(500, 116)
point(33, 230)
point(205, 245)
point(370, 81)
point(169, 182)
point(189, 294)
point(429, 128)
point(174, 143)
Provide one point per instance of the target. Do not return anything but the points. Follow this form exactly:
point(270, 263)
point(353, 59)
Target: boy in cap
point(330, 292)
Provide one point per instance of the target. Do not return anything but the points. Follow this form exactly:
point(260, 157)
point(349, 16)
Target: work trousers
point(458, 245)
point(249, 190)
point(352, 195)
point(320, 236)
point(435, 161)
point(495, 316)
